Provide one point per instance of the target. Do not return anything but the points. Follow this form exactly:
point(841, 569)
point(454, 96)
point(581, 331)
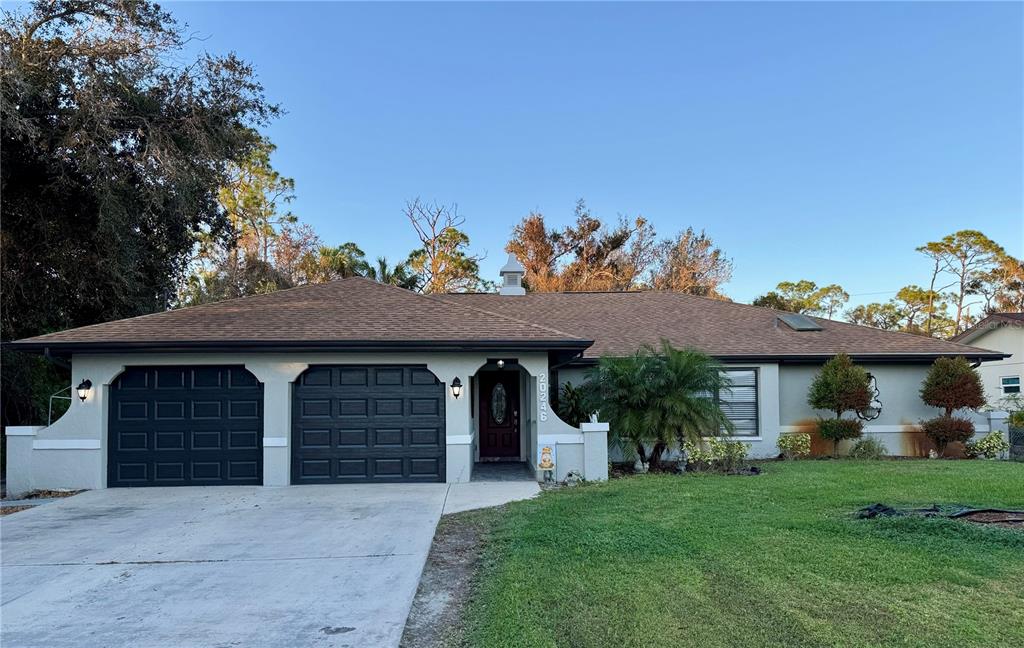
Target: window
point(739, 402)
point(1010, 384)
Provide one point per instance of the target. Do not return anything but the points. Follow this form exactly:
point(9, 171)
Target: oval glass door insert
point(499, 403)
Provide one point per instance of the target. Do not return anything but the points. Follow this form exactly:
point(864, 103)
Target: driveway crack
point(204, 561)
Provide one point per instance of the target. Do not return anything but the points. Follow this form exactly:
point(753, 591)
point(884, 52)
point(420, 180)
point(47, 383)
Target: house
point(355, 381)
point(1003, 332)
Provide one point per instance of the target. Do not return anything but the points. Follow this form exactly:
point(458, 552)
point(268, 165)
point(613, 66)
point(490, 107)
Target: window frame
point(1003, 386)
point(757, 401)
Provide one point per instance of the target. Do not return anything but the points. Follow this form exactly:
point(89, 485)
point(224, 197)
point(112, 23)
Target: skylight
point(799, 322)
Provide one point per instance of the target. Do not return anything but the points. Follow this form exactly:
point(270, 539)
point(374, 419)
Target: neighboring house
point(1003, 332)
point(354, 381)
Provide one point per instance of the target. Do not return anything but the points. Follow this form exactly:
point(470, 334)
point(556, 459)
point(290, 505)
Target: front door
point(499, 415)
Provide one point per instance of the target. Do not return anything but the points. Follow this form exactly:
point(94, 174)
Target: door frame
point(512, 370)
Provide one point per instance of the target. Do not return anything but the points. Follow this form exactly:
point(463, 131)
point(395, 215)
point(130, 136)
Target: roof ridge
point(440, 299)
point(776, 311)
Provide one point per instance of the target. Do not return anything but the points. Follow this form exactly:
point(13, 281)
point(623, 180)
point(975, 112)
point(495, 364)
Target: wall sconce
point(84, 388)
point(874, 408)
point(501, 364)
point(456, 387)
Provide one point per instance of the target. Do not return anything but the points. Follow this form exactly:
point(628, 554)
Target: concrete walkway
point(217, 566)
point(476, 495)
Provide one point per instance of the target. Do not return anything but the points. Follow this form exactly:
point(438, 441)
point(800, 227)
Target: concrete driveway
point(217, 566)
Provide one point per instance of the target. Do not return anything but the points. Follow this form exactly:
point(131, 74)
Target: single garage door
point(185, 426)
point(367, 424)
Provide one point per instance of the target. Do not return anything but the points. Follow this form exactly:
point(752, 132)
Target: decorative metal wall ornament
point(874, 408)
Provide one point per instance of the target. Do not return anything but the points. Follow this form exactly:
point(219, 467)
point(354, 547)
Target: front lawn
point(772, 560)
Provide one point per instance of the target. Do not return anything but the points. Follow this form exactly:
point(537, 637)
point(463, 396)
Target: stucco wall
point(71, 453)
point(782, 407)
point(1008, 339)
point(899, 392)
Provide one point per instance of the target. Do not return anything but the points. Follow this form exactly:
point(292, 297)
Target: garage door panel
point(386, 423)
point(176, 426)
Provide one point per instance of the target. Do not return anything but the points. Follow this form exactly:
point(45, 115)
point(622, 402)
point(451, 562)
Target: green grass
point(773, 560)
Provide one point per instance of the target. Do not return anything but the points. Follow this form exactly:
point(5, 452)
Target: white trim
point(275, 442)
point(459, 439)
point(66, 444)
point(23, 430)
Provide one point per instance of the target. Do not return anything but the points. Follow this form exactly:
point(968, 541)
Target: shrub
point(943, 430)
point(717, 454)
point(838, 429)
point(952, 384)
point(797, 444)
point(658, 397)
point(991, 446)
point(839, 387)
point(573, 406)
point(868, 448)
point(1017, 419)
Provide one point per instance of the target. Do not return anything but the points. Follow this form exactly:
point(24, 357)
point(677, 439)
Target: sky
point(810, 140)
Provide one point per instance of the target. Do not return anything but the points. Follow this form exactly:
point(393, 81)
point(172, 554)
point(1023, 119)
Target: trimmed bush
point(716, 454)
point(991, 446)
point(952, 384)
point(868, 448)
point(838, 429)
point(795, 445)
point(943, 430)
point(840, 386)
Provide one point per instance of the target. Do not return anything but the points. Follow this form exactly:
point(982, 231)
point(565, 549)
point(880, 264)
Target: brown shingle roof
point(622, 322)
point(356, 311)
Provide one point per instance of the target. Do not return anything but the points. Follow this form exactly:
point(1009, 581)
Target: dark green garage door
point(185, 426)
point(367, 424)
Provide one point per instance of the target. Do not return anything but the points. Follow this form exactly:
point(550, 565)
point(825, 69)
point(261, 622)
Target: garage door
point(185, 426)
point(367, 424)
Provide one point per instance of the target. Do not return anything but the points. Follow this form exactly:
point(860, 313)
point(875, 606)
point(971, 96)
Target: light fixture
point(501, 364)
point(456, 387)
point(84, 388)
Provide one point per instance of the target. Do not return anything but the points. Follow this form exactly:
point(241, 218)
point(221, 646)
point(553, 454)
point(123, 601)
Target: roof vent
point(512, 277)
point(799, 322)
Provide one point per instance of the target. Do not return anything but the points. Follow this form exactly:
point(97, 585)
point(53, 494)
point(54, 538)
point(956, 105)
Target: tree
point(658, 397)
point(330, 263)
point(1009, 275)
point(398, 275)
point(804, 296)
point(590, 254)
point(907, 311)
point(443, 261)
point(965, 256)
point(264, 247)
point(951, 384)
point(113, 149)
point(690, 263)
point(840, 387)
point(881, 316)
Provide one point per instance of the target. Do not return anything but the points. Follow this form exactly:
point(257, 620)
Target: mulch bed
point(7, 510)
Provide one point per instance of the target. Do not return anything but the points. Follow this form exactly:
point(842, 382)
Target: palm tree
point(400, 275)
point(659, 398)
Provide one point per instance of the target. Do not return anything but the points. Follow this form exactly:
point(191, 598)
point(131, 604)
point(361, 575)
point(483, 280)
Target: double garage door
point(195, 425)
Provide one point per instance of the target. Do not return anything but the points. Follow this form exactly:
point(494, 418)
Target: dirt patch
point(7, 510)
point(435, 620)
point(989, 517)
point(1004, 519)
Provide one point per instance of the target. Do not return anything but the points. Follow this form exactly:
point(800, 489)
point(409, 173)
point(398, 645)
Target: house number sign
point(542, 396)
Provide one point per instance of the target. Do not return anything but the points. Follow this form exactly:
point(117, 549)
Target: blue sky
point(812, 140)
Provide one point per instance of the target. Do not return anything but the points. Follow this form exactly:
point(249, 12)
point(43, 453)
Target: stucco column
point(595, 451)
point(277, 378)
